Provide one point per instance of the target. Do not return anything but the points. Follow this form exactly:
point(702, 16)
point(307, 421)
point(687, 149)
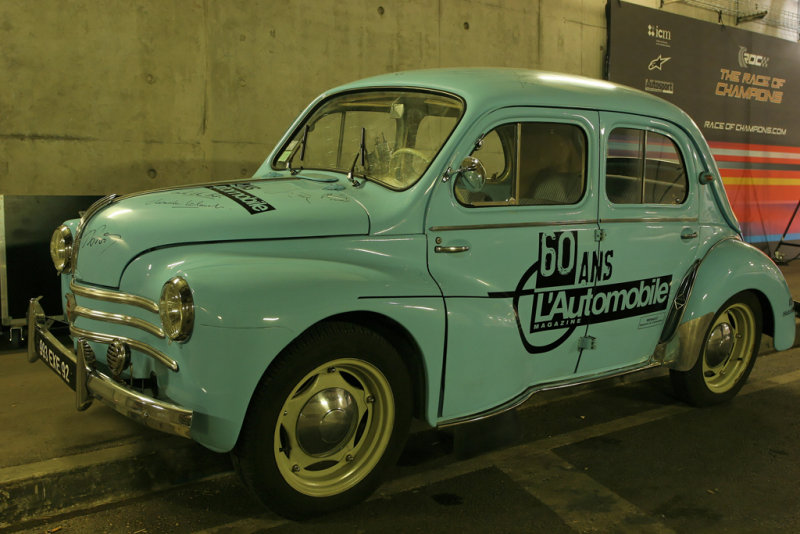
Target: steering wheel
point(411, 151)
point(401, 167)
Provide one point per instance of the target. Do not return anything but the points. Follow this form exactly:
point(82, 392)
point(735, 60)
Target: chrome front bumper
point(90, 384)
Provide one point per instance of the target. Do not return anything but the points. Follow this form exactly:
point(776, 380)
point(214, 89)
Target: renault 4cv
point(436, 244)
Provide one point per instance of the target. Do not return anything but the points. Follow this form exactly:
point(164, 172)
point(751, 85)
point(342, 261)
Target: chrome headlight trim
point(61, 248)
point(176, 308)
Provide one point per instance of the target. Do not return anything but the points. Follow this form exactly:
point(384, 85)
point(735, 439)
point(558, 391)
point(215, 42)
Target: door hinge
point(587, 343)
point(599, 234)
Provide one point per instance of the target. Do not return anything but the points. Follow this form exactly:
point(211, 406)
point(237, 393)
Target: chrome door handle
point(450, 250)
point(688, 235)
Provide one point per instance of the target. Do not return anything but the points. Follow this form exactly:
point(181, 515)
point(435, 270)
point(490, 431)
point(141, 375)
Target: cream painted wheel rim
point(334, 427)
point(729, 348)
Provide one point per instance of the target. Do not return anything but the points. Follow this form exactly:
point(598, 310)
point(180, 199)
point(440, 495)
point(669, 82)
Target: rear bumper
point(90, 384)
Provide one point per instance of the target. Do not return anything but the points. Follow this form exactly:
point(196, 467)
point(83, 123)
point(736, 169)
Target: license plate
point(60, 364)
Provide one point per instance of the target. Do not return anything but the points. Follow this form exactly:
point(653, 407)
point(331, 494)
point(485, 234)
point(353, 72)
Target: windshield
point(402, 131)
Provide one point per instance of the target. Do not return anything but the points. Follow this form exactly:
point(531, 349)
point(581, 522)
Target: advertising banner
point(743, 91)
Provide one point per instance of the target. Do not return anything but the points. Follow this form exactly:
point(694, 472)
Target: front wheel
point(329, 416)
point(729, 351)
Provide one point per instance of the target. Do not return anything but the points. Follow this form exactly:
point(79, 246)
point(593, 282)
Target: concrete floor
point(624, 456)
point(627, 458)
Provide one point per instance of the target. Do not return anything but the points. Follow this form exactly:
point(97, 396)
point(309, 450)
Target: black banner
point(737, 85)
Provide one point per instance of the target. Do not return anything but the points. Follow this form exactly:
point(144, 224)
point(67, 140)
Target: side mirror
point(471, 175)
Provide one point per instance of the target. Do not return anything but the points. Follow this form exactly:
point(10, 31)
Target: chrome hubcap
point(720, 344)
point(326, 422)
point(729, 348)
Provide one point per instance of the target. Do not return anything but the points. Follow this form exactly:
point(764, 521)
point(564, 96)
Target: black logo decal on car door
point(563, 290)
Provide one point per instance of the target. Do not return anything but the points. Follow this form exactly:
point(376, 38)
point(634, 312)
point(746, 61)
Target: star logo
point(658, 62)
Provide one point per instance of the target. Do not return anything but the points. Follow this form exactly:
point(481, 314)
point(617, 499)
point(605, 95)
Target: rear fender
point(730, 267)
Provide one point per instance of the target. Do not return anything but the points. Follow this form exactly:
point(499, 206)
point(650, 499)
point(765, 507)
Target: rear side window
point(529, 163)
point(644, 167)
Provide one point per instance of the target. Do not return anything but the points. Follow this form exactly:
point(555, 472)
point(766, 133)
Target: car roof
point(486, 88)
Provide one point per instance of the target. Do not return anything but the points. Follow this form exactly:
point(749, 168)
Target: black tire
point(329, 416)
point(729, 350)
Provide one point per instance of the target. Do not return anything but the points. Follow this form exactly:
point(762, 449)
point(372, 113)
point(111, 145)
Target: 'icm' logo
point(659, 33)
point(746, 59)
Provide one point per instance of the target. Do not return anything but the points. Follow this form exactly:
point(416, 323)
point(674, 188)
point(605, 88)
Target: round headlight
point(176, 308)
point(61, 248)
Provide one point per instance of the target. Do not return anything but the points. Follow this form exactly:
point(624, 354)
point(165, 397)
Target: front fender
point(730, 267)
point(252, 299)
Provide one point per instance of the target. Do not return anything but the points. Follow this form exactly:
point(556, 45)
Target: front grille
point(153, 328)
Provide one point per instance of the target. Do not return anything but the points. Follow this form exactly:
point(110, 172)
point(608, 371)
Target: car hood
point(225, 211)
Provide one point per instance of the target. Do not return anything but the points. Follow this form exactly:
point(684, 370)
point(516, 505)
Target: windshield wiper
point(302, 149)
point(362, 154)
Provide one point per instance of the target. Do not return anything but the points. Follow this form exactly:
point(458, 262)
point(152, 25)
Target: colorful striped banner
point(763, 185)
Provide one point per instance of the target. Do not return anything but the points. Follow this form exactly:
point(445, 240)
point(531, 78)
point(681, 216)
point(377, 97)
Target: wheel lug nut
point(349, 458)
point(331, 369)
point(295, 468)
point(370, 399)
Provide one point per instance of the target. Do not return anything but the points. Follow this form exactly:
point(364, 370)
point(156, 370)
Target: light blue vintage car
point(437, 244)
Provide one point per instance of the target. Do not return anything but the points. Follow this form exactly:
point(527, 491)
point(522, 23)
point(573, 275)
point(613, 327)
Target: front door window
point(529, 164)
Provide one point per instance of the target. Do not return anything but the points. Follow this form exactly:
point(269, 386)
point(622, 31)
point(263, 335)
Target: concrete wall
point(116, 96)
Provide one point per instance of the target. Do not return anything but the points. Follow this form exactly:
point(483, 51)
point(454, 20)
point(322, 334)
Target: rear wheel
point(729, 351)
point(329, 417)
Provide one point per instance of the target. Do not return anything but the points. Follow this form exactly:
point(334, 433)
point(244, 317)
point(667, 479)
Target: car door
point(648, 210)
point(501, 250)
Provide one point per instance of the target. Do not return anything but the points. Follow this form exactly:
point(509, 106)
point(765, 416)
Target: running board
point(549, 386)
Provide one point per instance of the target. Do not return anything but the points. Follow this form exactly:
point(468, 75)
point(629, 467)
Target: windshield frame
point(285, 148)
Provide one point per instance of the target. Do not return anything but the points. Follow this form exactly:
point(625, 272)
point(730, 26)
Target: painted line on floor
point(582, 503)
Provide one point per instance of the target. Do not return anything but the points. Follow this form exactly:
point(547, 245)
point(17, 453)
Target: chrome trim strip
point(205, 184)
point(113, 296)
point(118, 318)
point(651, 220)
point(509, 225)
point(528, 393)
point(135, 345)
